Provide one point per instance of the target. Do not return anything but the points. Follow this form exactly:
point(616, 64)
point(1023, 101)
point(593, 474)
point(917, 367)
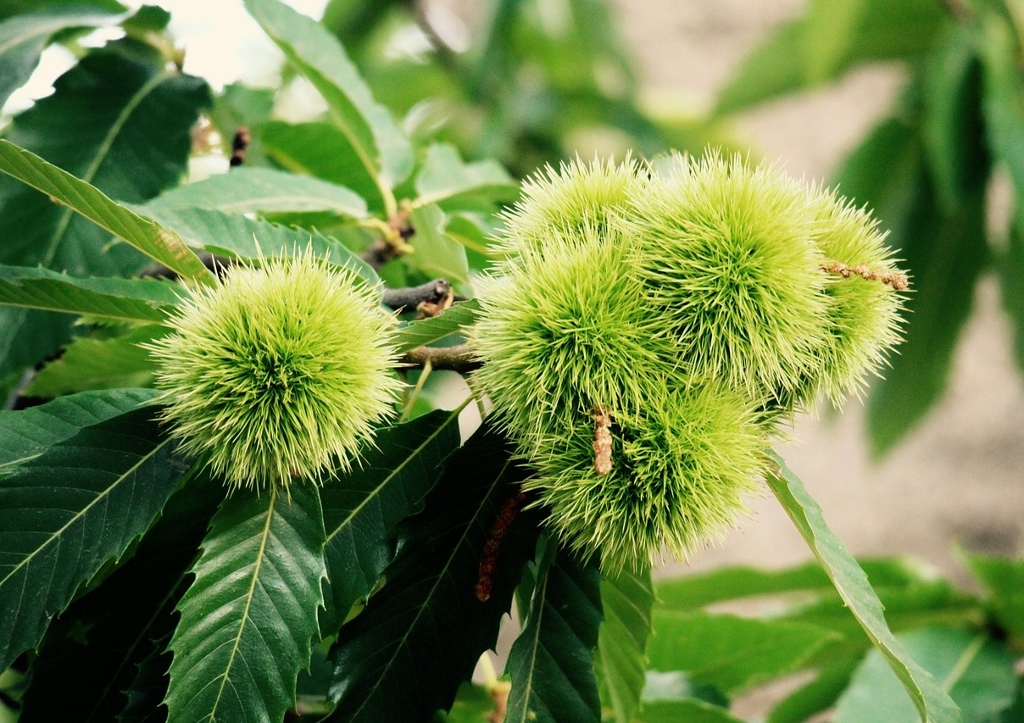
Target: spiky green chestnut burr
point(565, 330)
point(680, 469)
point(730, 259)
point(864, 302)
point(561, 203)
point(280, 371)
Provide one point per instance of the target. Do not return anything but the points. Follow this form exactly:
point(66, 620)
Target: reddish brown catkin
point(239, 145)
point(602, 441)
point(489, 561)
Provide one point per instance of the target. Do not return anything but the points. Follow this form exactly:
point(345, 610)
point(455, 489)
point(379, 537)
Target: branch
point(451, 358)
point(430, 299)
point(896, 279)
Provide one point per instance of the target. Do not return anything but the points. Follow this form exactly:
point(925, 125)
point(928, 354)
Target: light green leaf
point(23, 38)
point(437, 254)
point(89, 363)
point(975, 670)
point(552, 661)
point(250, 190)
point(693, 591)
point(245, 238)
point(626, 600)
point(830, 29)
point(21, 7)
point(159, 244)
point(884, 30)
point(690, 710)
point(729, 652)
point(381, 147)
point(448, 181)
point(1004, 580)
point(113, 298)
point(26, 434)
point(362, 510)
point(72, 509)
point(248, 619)
point(425, 331)
point(772, 69)
point(930, 700)
point(320, 150)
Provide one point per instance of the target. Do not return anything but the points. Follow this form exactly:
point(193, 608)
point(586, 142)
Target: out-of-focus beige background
point(959, 477)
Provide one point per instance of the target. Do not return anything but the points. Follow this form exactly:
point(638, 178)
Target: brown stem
point(434, 296)
point(451, 358)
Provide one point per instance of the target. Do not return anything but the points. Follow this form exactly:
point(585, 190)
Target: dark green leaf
point(22, 39)
point(362, 509)
point(146, 693)
point(1011, 281)
point(405, 655)
point(245, 238)
point(109, 298)
point(381, 147)
point(1004, 580)
point(248, 618)
point(322, 151)
point(953, 129)
point(689, 710)
point(248, 190)
point(814, 697)
point(1004, 99)
point(26, 434)
point(425, 331)
point(552, 661)
point(448, 181)
point(729, 652)
point(945, 253)
point(930, 700)
point(626, 600)
point(93, 204)
point(90, 652)
point(89, 363)
point(976, 670)
point(437, 254)
point(119, 123)
point(72, 509)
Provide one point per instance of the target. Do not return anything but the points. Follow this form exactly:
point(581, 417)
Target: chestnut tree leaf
point(248, 618)
point(72, 509)
point(932, 703)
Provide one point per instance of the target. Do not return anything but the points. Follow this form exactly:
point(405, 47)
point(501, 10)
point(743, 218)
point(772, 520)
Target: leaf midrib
point(539, 597)
point(82, 513)
point(387, 480)
point(248, 602)
point(35, 31)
